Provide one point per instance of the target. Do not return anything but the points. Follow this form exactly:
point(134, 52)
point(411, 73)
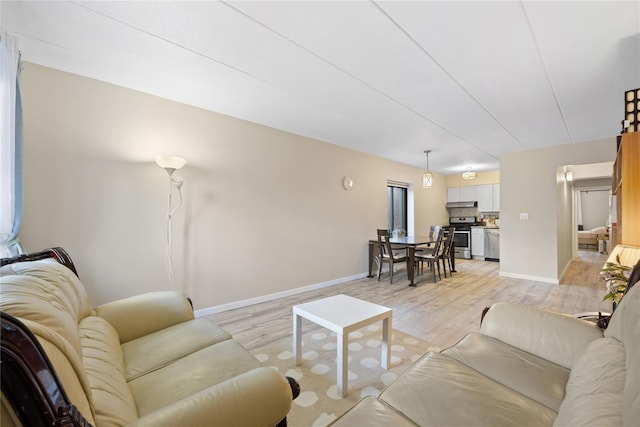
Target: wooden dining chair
point(433, 258)
point(433, 234)
point(448, 244)
point(387, 254)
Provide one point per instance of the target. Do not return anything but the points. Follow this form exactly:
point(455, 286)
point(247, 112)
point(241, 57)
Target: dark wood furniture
point(387, 255)
point(447, 253)
point(29, 382)
point(433, 258)
point(408, 242)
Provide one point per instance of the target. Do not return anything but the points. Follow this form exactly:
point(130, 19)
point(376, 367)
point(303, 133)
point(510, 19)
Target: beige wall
point(264, 210)
point(533, 182)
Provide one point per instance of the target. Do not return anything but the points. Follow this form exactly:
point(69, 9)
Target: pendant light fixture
point(427, 177)
point(469, 174)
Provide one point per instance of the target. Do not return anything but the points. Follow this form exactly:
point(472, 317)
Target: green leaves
point(614, 275)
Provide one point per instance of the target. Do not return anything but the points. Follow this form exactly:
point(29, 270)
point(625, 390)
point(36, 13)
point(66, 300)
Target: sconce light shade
point(170, 163)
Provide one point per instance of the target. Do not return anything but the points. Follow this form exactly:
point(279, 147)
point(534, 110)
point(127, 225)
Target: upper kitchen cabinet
point(496, 197)
point(468, 194)
point(453, 194)
point(462, 194)
point(487, 196)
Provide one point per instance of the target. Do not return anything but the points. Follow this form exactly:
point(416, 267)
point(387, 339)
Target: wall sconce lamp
point(469, 174)
point(427, 177)
point(568, 176)
point(171, 164)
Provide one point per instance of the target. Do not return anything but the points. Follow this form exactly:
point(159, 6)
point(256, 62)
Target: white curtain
point(10, 147)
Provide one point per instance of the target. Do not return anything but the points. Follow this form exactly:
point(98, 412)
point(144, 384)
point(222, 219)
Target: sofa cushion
point(451, 393)
point(625, 327)
point(191, 374)
point(559, 338)
point(46, 293)
point(536, 378)
point(62, 287)
point(68, 367)
point(102, 359)
point(594, 391)
point(371, 412)
point(156, 350)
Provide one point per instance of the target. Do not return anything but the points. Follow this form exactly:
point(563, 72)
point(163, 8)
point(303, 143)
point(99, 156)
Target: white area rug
point(318, 403)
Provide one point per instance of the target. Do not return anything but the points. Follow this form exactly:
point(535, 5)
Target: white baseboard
point(270, 297)
point(527, 277)
point(566, 267)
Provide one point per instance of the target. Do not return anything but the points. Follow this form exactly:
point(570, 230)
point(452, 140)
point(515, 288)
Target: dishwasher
point(492, 244)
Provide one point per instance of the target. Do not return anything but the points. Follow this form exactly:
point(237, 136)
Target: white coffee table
point(342, 314)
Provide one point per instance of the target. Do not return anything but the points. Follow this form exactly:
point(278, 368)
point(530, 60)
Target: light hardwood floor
point(441, 312)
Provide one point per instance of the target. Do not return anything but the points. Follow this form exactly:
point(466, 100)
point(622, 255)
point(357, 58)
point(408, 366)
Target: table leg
point(385, 359)
point(297, 338)
point(410, 265)
point(342, 363)
point(452, 258)
point(371, 248)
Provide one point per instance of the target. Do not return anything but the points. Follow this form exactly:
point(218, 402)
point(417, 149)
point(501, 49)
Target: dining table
point(409, 242)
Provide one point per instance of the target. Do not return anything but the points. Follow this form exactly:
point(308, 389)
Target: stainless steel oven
point(462, 236)
point(462, 243)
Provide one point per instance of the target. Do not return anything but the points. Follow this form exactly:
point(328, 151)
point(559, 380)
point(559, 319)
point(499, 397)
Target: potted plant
point(615, 275)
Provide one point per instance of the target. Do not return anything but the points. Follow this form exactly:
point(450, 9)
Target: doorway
point(591, 209)
point(593, 218)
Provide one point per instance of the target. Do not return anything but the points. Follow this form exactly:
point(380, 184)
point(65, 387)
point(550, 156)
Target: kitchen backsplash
point(465, 212)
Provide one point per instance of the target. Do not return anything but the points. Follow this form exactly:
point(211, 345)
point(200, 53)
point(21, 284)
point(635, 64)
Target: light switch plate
point(524, 215)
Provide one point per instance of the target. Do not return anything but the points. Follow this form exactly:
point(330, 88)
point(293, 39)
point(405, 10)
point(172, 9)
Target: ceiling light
point(427, 177)
point(469, 174)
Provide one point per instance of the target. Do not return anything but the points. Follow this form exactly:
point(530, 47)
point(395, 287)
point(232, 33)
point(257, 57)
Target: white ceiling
point(467, 80)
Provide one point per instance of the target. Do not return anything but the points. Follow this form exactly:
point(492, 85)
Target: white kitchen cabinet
point(485, 197)
point(453, 194)
point(468, 193)
point(477, 243)
point(488, 197)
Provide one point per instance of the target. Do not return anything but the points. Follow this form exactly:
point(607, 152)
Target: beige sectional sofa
point(141, 361)
point(525, 367)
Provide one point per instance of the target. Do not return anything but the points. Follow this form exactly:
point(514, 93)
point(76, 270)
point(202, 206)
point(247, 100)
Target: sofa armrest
point(143, 314)
point(559, 338)
point(260, 397)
